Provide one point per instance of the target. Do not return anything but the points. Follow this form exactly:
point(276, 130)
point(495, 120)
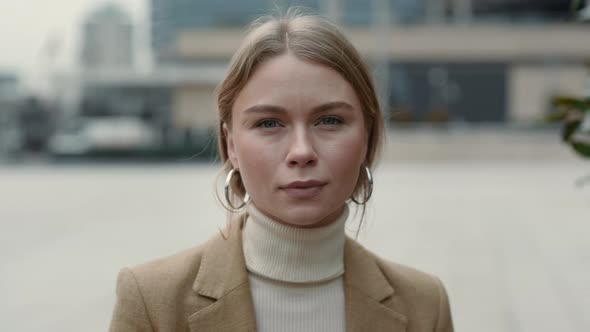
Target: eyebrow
point(264, 108)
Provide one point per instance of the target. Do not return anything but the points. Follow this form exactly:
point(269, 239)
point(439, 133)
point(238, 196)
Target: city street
point(510, 239)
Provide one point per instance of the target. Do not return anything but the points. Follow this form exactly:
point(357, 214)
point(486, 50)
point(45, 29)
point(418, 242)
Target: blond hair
point(310, 38)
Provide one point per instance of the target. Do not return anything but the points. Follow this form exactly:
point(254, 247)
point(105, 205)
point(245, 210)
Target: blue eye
point(330, 121)
point(268, 123)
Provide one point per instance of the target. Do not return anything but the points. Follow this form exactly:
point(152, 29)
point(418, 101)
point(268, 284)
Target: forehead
point(290, 82)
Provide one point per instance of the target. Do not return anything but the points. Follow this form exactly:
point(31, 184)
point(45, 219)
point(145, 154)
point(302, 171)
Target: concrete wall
point(429, 43)
point(530, 88)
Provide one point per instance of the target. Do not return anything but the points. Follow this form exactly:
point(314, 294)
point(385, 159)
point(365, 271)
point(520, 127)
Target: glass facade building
point(169, 17)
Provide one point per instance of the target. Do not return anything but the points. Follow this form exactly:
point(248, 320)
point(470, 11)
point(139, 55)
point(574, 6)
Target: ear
point(231, 149)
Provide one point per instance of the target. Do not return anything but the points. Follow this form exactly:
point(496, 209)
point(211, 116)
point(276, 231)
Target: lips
point(304, 184)
point(304, 189)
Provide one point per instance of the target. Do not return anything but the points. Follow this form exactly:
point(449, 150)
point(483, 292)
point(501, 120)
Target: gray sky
point(27, 26)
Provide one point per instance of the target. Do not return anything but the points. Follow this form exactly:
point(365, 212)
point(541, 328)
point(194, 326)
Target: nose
point(301, 149)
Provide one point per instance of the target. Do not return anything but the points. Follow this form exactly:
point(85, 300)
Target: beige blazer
point(206, 289)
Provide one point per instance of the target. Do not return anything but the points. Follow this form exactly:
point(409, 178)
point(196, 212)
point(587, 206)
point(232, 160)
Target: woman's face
point(298, 139)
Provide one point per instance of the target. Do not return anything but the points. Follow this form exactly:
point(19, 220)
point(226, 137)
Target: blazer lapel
point(222, 282)
point(366, 290)
point(226, 301)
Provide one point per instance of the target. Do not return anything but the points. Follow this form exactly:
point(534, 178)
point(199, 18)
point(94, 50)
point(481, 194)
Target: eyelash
point(337, 119)
point(260, 124)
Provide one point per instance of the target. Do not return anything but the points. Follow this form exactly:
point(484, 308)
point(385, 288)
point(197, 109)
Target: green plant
point(573, 111)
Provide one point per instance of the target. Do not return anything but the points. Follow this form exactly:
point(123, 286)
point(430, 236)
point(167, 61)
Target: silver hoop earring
point(370, 179)
point(226, 190)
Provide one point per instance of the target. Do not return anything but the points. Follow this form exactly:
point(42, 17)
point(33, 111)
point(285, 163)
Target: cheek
point(346, 156)
point(253, 151)
point(256, 160)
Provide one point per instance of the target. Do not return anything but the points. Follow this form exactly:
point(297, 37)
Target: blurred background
point(108, 151)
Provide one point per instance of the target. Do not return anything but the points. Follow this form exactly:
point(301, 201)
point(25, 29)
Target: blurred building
point(107, 39)
point(473, 61)
point(8, 85)
point(170, 18)
point(435, 61)
point(9, 131)
point(25, 121)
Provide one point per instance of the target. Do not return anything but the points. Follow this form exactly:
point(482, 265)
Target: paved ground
point(510, 239)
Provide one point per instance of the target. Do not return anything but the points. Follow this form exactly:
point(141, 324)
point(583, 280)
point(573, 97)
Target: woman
point(299, 131)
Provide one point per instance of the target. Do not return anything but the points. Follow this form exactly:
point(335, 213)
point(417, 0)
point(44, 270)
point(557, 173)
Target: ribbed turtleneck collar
point(292, 254)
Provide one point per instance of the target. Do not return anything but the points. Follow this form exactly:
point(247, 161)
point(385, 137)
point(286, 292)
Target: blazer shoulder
point(171, 272)
point(147, 293)
point(170, 264)
point(423, 289)
point(400, 275)
point(403, 275)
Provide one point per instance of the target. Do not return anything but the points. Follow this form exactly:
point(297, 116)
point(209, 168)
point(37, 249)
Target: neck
point(286, 253)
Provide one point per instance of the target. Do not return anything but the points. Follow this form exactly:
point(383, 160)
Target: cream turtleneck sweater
point(295, 274)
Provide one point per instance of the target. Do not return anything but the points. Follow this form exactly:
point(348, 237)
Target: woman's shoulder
point(146, 291)
point(398, 272)
point(418, 296)
point(405, 275)
point(429, 298)
point(163, 292)
point(172, 270)
point(408, 281)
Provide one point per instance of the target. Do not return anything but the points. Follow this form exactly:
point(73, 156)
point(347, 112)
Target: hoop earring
point(226, 190)
point(370, 179)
